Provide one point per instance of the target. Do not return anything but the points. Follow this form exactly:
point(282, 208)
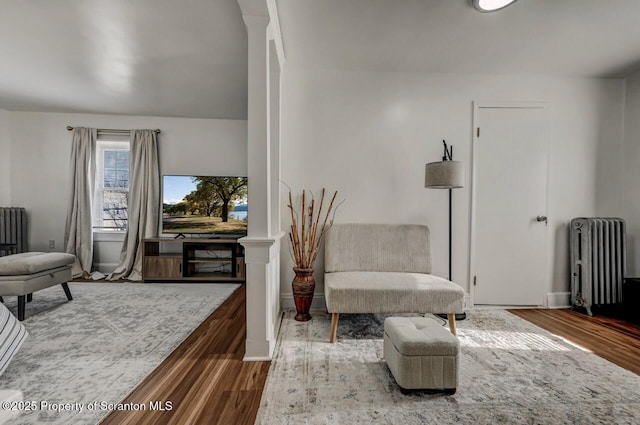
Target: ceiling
point(181, 58)
point(583, 38)
point(188, 58)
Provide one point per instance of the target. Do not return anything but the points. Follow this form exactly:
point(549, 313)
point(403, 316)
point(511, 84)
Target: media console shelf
point(192, 260)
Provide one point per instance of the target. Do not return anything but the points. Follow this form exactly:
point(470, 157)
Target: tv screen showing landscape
point(204, 204)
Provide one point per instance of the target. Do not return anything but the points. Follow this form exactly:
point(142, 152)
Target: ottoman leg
point(67, 291)
point(21, 306)
point(30, 297)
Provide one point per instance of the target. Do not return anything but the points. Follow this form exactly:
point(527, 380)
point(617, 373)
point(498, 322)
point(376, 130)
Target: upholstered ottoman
point(23, 274)
point(421, 354)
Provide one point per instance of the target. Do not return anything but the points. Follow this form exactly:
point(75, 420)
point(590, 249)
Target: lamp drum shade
point(444, 175)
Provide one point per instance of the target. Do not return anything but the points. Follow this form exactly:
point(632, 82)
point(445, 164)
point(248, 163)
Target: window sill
point(108, 236)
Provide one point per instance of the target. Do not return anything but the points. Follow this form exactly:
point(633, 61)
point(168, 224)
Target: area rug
point(99, 346)
point(512, 372)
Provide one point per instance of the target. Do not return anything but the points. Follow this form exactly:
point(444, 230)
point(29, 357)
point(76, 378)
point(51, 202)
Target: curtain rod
point(108, 130)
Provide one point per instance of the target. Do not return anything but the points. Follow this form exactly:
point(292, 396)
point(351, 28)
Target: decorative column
point(274, 134)
point(262, 244)
point(258, 126)
point(274, 160)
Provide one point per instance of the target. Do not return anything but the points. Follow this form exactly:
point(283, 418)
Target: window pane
point(112, 188)
point(114, 210)
point(110, 178)
point(116, 168)
point(109, 159)
point(122, 177)
point(122, 159)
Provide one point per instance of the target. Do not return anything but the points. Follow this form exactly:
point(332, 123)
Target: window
point(112, 186)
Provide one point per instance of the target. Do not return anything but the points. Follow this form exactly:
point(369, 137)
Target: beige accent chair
point(384, 268)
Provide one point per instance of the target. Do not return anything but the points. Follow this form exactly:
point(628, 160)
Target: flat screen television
point(214, 205)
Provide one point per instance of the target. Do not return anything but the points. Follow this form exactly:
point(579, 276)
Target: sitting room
point(303, 211)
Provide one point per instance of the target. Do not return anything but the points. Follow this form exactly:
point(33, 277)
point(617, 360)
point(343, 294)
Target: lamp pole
point(450, 233)
point(448, 156)
point(447, 174)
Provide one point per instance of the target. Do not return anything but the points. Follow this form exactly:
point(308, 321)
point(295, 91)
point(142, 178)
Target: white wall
point(369, 134)
point(5, 188)
point(40, 150)
point(631, 176)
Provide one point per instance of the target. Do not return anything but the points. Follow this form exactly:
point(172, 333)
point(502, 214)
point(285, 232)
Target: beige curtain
point(78, 234)
point(143, 203)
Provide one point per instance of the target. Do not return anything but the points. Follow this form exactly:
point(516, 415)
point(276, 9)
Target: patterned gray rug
point(511, 372)
point(99, 346)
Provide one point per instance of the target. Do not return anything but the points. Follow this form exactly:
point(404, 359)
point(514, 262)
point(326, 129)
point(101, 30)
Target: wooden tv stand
point(192, 260)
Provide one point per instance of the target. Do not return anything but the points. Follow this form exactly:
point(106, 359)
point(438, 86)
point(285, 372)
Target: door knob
point(541, 218)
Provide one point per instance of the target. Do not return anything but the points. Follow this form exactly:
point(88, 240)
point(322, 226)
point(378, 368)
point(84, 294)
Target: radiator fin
point(598, 261)
point(13, 228)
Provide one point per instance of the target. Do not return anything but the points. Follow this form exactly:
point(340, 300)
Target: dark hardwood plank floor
point(205, 377)
point(613, 339)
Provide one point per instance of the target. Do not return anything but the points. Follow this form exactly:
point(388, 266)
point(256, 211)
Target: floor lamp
point(446, 174)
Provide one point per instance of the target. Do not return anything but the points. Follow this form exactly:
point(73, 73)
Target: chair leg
point(21, 306)
point(334, 327)
point(452, 322)
point(405, 391)
point(30, 297)
point(67, 292)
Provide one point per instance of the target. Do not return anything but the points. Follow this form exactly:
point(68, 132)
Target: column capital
point(253, 7)
point(261, 250)
point(255, 21)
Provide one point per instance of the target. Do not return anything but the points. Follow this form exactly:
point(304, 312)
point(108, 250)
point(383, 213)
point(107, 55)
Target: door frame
point(477, 106)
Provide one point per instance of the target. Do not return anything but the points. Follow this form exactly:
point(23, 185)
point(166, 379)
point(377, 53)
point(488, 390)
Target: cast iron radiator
point(13, 230)
point(598, 261)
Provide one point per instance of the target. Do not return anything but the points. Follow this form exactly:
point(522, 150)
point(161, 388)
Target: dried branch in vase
point(308, 228)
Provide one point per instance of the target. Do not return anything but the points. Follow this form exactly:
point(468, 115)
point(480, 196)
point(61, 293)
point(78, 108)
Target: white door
point(509, 257)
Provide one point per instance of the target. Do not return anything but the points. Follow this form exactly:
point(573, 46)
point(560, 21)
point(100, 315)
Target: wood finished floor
point(613, 339)
point(205, 377)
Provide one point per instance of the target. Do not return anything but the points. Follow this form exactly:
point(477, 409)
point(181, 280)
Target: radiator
point(13, 229)
point(598, 261)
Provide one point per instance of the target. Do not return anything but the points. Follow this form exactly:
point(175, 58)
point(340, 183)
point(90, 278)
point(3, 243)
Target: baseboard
point(256, 359)
point(467, 300)
point(559, 300)
point(105, 268)
point(286, 302)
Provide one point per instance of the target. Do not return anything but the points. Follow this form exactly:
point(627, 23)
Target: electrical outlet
point(52, 244)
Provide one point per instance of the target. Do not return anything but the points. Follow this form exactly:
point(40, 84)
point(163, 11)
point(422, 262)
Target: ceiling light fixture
point(491, 5)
